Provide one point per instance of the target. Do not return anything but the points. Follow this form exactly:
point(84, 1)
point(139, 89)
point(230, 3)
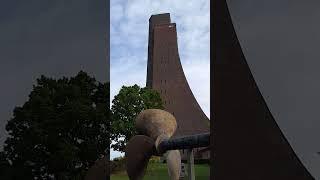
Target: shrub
point(118, 164)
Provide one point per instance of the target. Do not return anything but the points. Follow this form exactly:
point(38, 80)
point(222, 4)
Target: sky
point(129, 41)
point(55, 38)
point(281, 46)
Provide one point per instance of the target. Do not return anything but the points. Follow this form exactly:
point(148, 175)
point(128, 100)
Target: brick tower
point(165, 74)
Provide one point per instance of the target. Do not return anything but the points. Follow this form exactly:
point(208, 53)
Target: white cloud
point(198, 77)
point(114, 154)
point(129, 42)
point(117, 12)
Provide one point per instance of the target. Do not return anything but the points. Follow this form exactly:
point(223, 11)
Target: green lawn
point(158, 171)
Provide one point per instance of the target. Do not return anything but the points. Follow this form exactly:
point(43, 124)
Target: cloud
point(114, 154)
point(129, 37)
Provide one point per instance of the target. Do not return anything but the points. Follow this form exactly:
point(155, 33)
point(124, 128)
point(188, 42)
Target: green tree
point(126, 105)
point(60, 131)
point(4, 167)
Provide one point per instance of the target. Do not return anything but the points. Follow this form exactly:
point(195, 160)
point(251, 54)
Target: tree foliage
point(60, 131)
point(126, 105)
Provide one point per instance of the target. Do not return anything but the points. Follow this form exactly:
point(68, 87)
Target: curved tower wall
point(248, 144)
point(165, 74)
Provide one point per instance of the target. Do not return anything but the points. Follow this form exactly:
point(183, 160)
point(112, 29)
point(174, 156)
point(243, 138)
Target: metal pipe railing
point(185, 142)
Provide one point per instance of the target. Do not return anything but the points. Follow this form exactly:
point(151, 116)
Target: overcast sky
point(280, 40)
point(55, 38)
point(129, 42)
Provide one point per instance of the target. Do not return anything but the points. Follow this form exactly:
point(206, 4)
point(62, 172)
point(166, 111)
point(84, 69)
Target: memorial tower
point(165, 74)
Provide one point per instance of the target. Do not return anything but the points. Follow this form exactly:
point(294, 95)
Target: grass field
point(158, 171)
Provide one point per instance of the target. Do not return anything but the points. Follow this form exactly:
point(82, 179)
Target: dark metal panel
point(248, 144)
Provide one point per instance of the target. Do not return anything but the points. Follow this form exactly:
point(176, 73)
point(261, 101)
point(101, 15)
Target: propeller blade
point(138, 152)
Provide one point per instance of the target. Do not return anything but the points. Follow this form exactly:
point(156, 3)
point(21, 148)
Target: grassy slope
point(158, 171)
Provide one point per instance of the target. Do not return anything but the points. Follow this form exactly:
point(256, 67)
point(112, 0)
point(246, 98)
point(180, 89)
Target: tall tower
point(165, 74)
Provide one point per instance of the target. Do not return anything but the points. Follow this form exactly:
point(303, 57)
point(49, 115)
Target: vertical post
point(191, 175)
